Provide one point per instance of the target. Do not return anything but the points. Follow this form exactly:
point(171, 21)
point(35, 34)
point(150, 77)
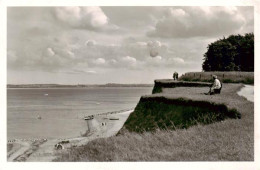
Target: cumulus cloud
point(155, 47)
point(77, 71)
point(154, 61)
point(141, 43)
point(158, 58)
point(113, 62)
point(82, 17)
point(50, 52)
point(177, 60)
point(91, 72)
point(199, 21)
point(99, 61)
point(128, 59)
point(90, 43)
point(77, 40)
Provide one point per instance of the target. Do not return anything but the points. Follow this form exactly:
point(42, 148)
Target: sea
point(57, 113)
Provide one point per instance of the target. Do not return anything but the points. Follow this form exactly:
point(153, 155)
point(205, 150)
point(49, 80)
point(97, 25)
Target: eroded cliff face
point(169, 113)
point(181, 104)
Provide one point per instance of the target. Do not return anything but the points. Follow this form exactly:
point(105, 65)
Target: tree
point(235, 53)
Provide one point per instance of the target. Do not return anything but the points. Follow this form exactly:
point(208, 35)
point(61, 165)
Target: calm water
point(62, 109)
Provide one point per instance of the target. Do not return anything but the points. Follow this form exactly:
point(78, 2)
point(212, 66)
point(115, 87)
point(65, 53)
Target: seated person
point(216, 86)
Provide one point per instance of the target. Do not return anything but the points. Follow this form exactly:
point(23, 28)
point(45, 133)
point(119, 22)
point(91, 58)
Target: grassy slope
point(228, 140)
point(161, 112)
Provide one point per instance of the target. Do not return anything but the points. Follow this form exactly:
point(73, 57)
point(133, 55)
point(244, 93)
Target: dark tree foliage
point(235, 53)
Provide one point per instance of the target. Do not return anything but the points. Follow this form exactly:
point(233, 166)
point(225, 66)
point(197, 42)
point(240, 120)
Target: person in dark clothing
point(175, 76)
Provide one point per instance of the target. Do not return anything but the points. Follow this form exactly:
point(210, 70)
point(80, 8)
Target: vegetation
point(153, 113)
point(225, 77)
point(235, 53)
point(169, 83)
point(214, 142)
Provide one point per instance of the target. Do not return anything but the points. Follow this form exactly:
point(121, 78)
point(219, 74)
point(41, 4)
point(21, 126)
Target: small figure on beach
point(216, 86)
point(175, 76)
point(39, 117)
point(58, 146)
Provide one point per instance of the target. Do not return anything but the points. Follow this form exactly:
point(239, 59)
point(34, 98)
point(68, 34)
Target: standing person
point(216, 86)
point(175, 76)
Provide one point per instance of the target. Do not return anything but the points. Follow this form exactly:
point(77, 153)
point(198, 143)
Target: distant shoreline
point(75, 86)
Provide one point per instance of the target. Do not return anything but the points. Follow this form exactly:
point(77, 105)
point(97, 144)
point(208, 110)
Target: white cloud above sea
point(101, 40)
point(189, 22)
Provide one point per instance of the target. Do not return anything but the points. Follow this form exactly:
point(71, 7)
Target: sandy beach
point(43, 150)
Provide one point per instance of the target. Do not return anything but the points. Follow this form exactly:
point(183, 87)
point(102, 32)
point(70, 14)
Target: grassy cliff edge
point(161, 112)
point(203, 131)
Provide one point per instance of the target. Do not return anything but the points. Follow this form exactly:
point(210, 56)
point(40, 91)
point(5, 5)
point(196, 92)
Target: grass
point(170, 83)
point(227, 140)
point(226, 77)
point(153, 113)
point(199, 143)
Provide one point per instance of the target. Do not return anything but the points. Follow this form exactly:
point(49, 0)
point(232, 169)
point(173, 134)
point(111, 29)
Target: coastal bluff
point(181, 104)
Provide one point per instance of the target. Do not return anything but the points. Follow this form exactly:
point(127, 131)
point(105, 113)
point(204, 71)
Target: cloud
point(199, 21)
point(153, 62)
point(158, 58)
point(90, 43)
point(113, 61)
point(50, 52)
point(91, 72)
point(79, 40)
point(82, 17)
point(99, 61)
point(141, 43)
point(76, 71)
point(129, 60)
point(155, 47)
point(177, 60)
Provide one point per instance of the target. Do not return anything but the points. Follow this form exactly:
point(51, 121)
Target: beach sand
point(40, 150)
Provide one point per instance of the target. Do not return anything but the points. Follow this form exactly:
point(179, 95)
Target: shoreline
point(37, 150)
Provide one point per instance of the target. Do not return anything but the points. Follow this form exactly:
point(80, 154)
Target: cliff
point(181, 104)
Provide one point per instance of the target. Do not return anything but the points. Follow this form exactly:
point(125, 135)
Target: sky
point(98, 45)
